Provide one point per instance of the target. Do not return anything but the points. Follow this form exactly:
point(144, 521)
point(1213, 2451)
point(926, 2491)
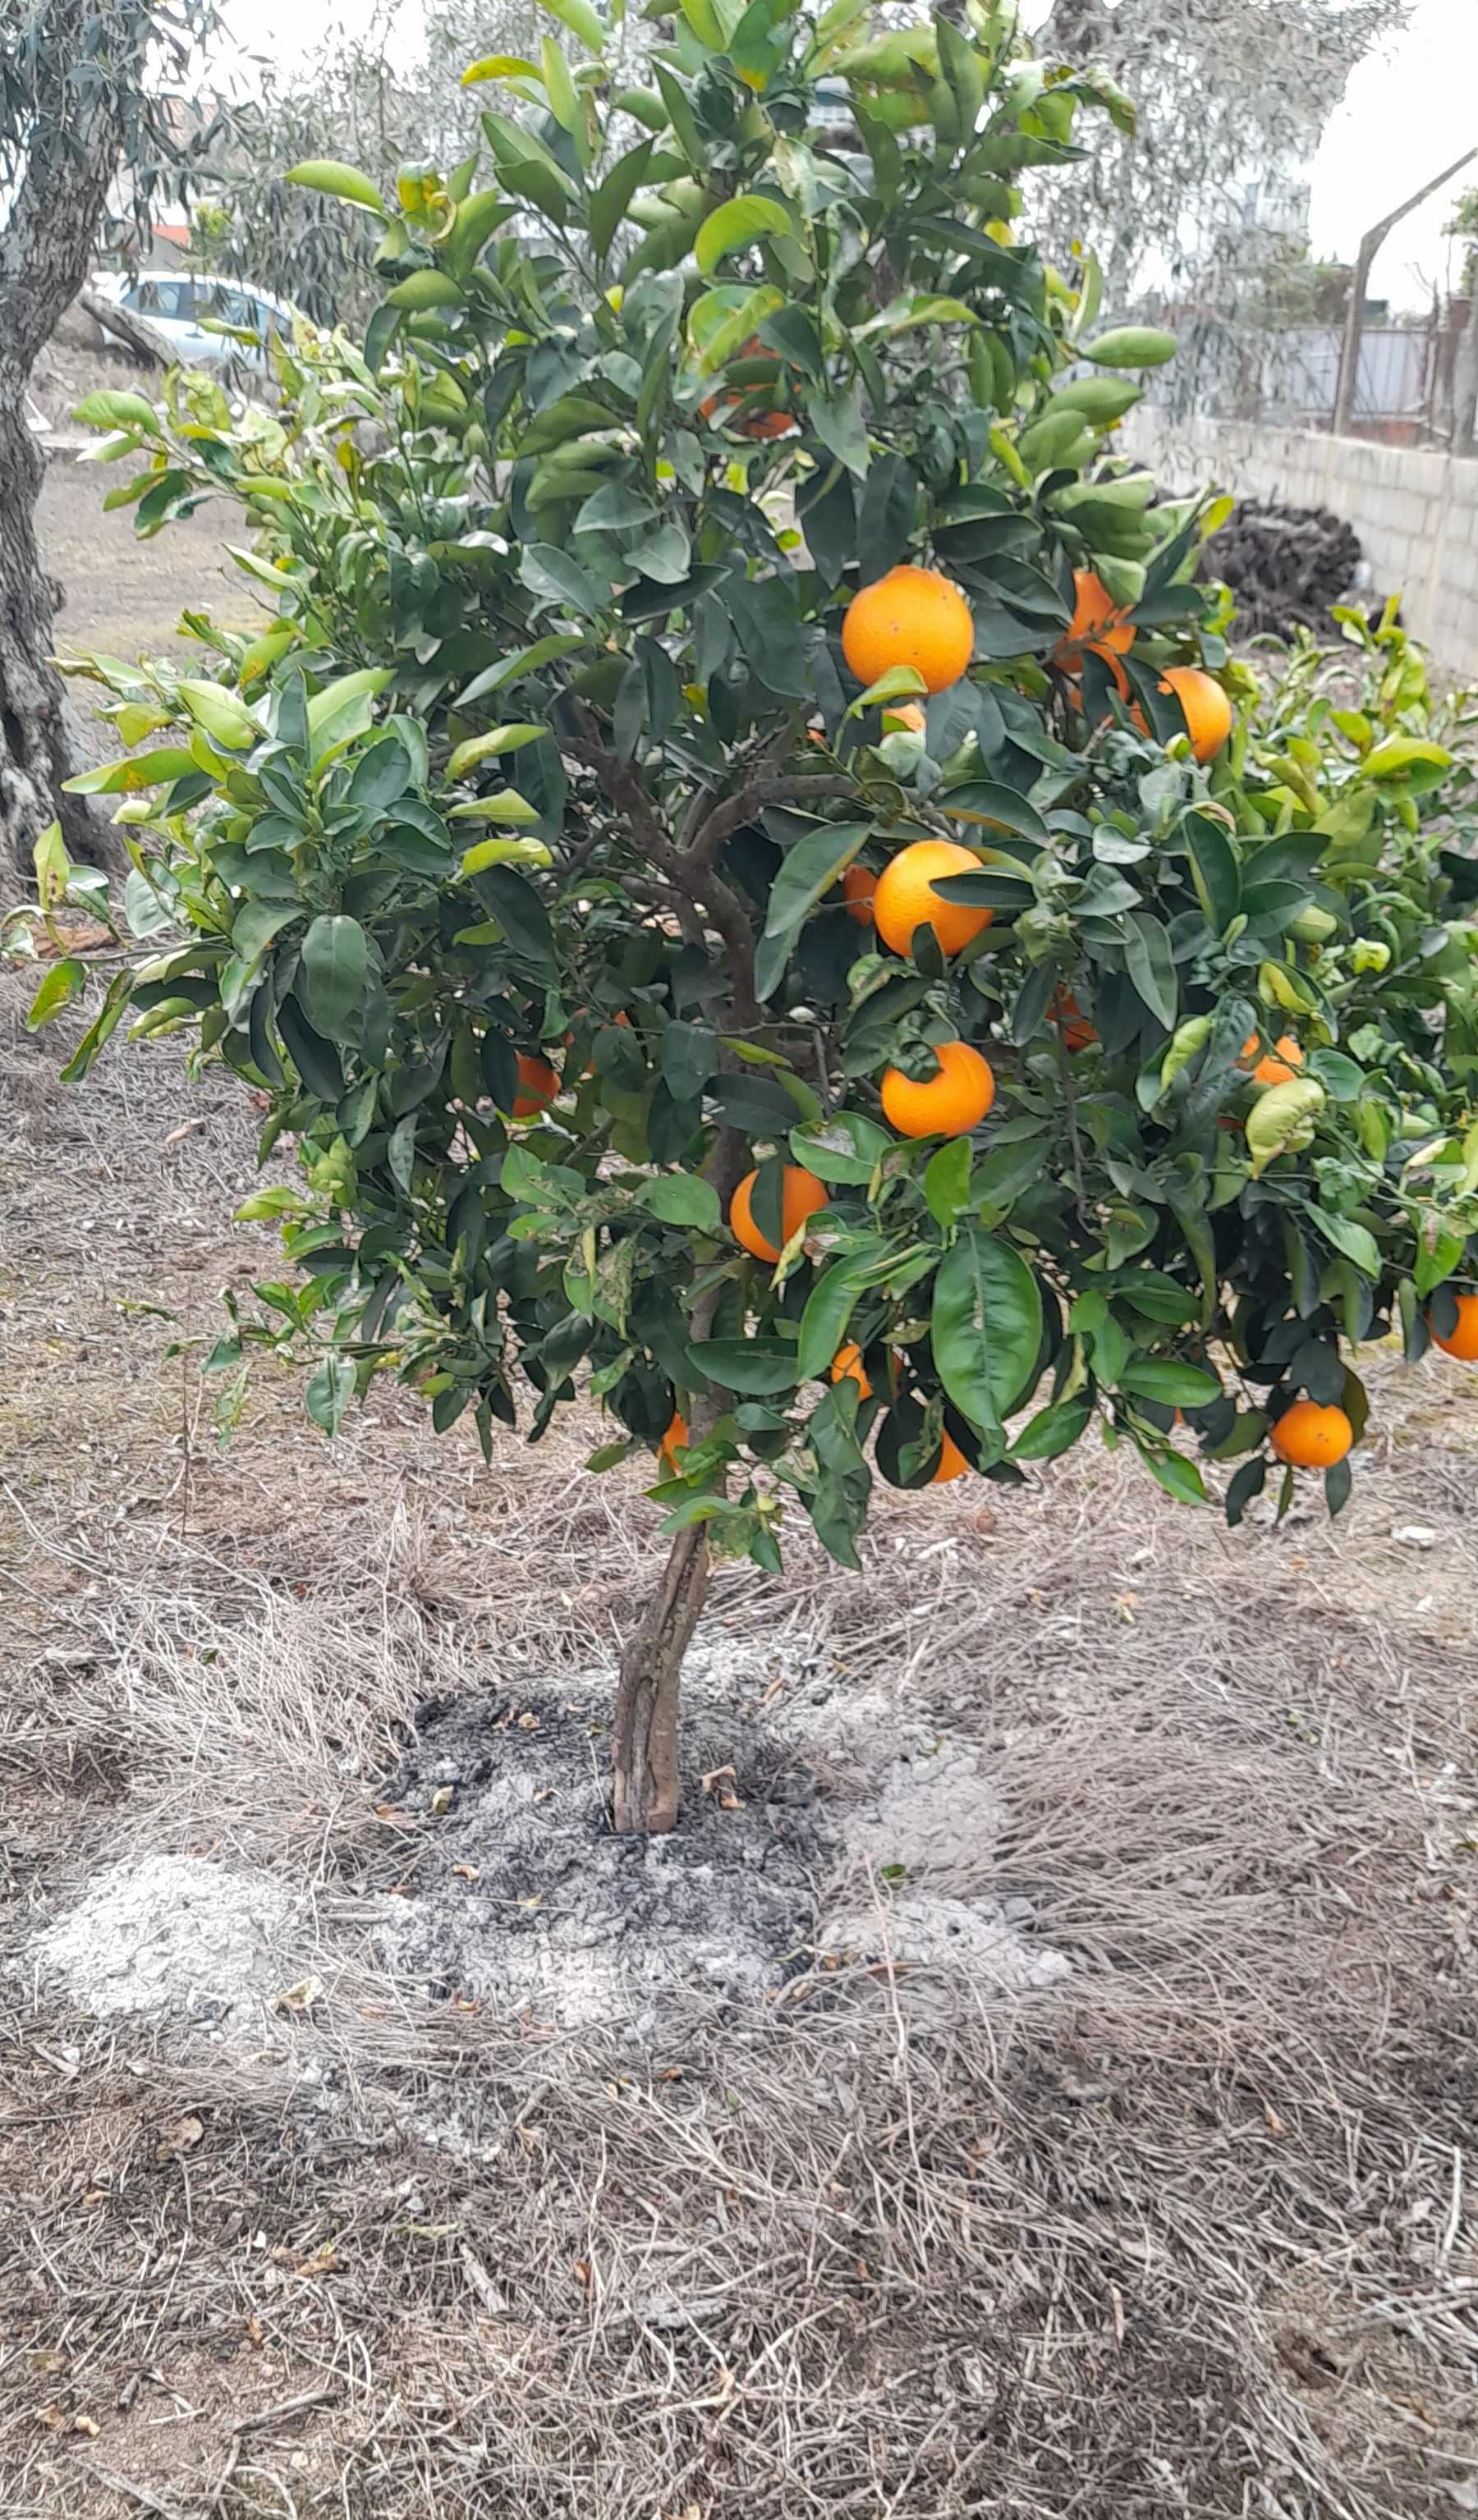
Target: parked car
point(175, 302)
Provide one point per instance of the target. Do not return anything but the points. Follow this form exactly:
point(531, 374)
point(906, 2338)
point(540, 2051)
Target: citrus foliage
point(528, 854)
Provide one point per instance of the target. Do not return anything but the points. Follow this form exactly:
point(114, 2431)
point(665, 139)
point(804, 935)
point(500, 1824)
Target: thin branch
point(1070, 1104)
point(804, 788)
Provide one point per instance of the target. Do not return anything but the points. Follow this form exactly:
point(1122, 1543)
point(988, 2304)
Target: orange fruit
point(905, 898)
point(1064, 1010)
point(902, 717)
point(858, 885)
point(674, 1442)
point(952, 1461)
point(1463, 1340)
point(848, 1362)
point(1207, 708)
point(799, 1197)
point(954, 1101)
point(538, 1086)
point(1310, 1437)
point(912, 617)
point(1274, 1067)
point(1097, 621)
point(767, 424)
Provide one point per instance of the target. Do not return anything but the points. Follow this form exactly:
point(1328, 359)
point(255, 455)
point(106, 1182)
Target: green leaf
point(343, 182)
point(946, 1181)
point(344, 708)
point(62, 982)
point(157, 768)
point(838, 422)
point(335, 973)
point(555, 579)
point(228, 723)
point(1214, 872)
point(985, 1326)
point(809, 869)
point(1248, 1482)
point(109, 1013)
point(1174, 1385)
point(559, 86)
point(738, 223)
point(612, 198)
point(329, 1393)
point(1177, 1476)
point(1151, 965)
point(683, 1199)
point(1052, 1430)
point(983, 800)
point(848, 1149)
point(582, 20)
point(1356, 1242)
point(524, 661)
point(1403, 752)
point(830, 1305)
point(757, 1365)
point(112, 409)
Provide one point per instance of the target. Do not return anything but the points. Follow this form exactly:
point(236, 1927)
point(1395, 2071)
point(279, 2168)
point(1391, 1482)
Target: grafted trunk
point(34, 752)
point(644, 1748)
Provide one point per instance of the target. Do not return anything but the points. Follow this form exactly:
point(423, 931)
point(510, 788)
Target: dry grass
point(1190, 2235)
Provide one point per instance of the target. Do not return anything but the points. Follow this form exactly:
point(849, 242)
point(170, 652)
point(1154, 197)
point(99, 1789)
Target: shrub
point(525, 856)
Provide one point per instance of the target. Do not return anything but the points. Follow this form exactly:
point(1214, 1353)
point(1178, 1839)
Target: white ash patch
point(173, 1937)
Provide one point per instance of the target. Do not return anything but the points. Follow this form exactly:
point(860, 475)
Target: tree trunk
point(81, 88)
point(34, 752)
point(644, 1734)
point(644, 1748)
point(130, 330)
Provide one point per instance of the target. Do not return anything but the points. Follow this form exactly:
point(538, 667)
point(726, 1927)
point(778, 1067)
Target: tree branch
point(70, 154)
point(772, 789)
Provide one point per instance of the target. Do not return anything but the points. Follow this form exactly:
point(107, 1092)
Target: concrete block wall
point(1416, 511)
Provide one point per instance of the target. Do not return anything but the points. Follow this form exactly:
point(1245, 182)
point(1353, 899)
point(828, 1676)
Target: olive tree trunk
point(71, 138)
point(34, 751)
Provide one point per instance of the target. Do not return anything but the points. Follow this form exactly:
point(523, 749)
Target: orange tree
point(732, 851)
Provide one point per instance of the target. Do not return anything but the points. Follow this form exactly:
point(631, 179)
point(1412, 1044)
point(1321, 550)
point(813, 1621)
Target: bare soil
point(1038, 2080)
point(123, 597)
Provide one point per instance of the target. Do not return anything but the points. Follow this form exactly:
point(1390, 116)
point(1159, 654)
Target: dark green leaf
point(683, 1199)
point(1151, 965)
point(335, 972)
point(1174, 1385)
point(756, 1365)
point(985, 1326)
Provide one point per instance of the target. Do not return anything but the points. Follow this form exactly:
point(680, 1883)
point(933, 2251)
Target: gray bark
point(45, 245)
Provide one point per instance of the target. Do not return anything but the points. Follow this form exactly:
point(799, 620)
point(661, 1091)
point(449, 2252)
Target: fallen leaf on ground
point(300, 1997)
point(182, 2137)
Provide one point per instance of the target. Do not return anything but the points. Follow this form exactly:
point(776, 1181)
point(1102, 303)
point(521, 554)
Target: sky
point(1410, 111)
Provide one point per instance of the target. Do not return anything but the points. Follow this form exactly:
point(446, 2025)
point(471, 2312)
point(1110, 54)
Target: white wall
point(1416, 511)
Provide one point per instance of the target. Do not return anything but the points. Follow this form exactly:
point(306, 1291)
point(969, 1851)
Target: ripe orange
point(767, 424)
point(1064, 1010)
point(952, 1461)
point(902, 717)
point(1463, 1340)
point(799, 1197)
point(1310, 1437)
point(539, 1086)
point(912, 617)
point(954, 1099)
point(1278, 1068)
point(674, 1442)
point(859, 885)
point(1097, 621)
point(848, 1362)
point(905, 898)
point(1208, 710)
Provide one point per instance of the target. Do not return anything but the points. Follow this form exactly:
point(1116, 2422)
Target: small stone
point(1415, 1535)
